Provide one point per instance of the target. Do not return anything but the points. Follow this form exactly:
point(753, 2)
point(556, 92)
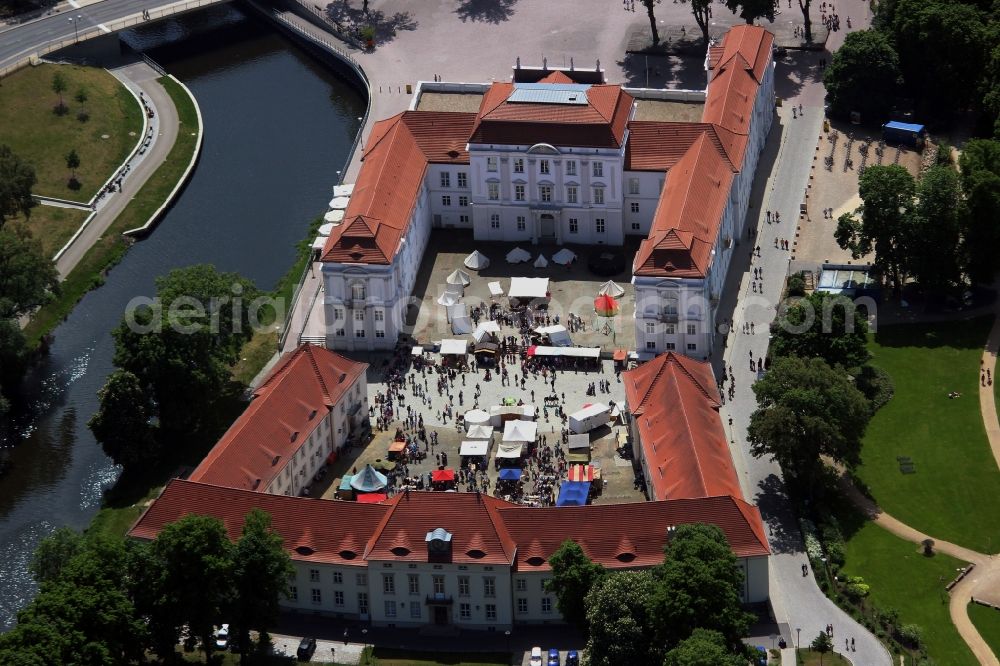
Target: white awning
point(495, 288)
point(509, 450)
point(456, 310)
point(476, 417)
point(474, 448)
point(326, 229)
point(518, 255)
point(319, 243)
point(521, 287)
point(453, 347)
point(578, 442)
point(339, 203)
point(479, 432)
point(590, 410)
point(520, 431)
point(488, 326)
point(578, 352)
point(343, 190)
point(334, 216)
point(417, 350)
point(541, 261)
point(477, 261)
point(461, 325)
point(564, 256)
point(558, 335)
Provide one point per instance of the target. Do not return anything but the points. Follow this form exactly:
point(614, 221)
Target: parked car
point(222, 637)
point(306, 649)
point(536, 657)
point(572, 658)
point(553, 657)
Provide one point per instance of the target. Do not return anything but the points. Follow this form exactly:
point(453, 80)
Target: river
point(278, 127)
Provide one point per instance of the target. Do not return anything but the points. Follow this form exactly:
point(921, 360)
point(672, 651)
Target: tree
point(838, 333)
point(27, 278)
point(621, 628)
point(806, 409)
point(806, 19)
point(650, 5)
point(194, 559)
point(863, 76)
point(72, 163)
point(262, 568)
point(703, 648)
point(702, 10)
point(822, 644)
point(938, 220)
point(573, 575)
point(81, 96)
point(698, 586)
point(59, 87)
point(17, 177)
point(751, 10)
point(980, 167)
point(887, 195)
point(53, 553)
point(122, 421)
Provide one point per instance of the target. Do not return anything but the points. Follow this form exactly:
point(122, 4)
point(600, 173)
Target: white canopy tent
point(455, 311)
point(334, 216)
point(453, 347)
point(522, 287)
point(447, 299)
point(474, 448)
point(558, 335)
point(520, 431)
point(578, 442)
point(589, 417)
point(459, 277)
point(484, 327)
point(476, 261)
point(609, 288)
point(327, 229)
point(477, 417)
point(564, 256)
point(518, 255)
point(578, 352)
point(417, 350)
point(319, 243)
point(495, 288)
point(510, 450)
point(541, 261)
point(339, 203)
point(461, 325)
point(480, 432)
point(343, 190)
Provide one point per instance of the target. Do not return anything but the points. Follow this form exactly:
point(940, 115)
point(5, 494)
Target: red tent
point(581, 473)
point(532, 349)
point(371, 498)
point(443, 475)
point(605, 305)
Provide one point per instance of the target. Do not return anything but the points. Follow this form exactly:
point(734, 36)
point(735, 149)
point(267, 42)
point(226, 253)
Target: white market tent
point(578, 352)
point(480, 432)
point(578, 442)
point(476, 261)
point(520, 431)
point(495, 288)
point(459, 277)
point(558, 335)
point(541, 261)
point(456, 311)
point(461, 325)
point(339, 203)
point(518, 255)
point(589, 417)
point(476, 417)
point(327, 229)
point(522, 287)
point(564, 256)
point(474, 448)
point(609, 288)
point(446, 299)
point(417, 350)
point(343, 190)
point(487, 326)
point(319, 243)
point(453, 347)
point(334, 216)
point(510, 450)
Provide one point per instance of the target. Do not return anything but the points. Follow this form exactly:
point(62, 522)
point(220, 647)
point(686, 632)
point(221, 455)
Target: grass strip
point(109, 250)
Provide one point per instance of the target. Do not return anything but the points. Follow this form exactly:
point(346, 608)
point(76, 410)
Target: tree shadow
point(776, 511)
point(958, 334)
point(795, 70)
point(351, 21)
point(664, 71)
point(485, 11)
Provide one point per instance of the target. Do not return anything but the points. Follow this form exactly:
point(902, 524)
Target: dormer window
point(438, 544)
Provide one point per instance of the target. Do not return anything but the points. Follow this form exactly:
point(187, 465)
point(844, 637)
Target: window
point(358, 291)
point(414, 583)
point(545, 192)
point(438, 584)
point(338, 314)
point(445, 179)
point(574, 225)
point(465, 611)
point(379, 314)
point(495, 221)
point(493, 191)
point(572, 194)
point(390, 608)
point(388, 584)
point(293, 593)
point(463, 200)
point(692, 346)
point(570, 167)
point(379, 333)
point(692, 329)
point(489, 586)
point(491, 164)
point(598, 195)
point(522, 605)
point(670, 346)
point(546, 605)
point(491, 611)
point(317, 596)
point(599, 225)
point(650, 328)
point(338, 577)
point(314, 575)
point(598, 169)
point(521, 223)
point(340, 332)
point(519, 165)
point(463, 219)
point(521, 584)
point(635, 226)
point(359, 315)
point(634, 206)
point(338, 598)
point(363, 603)
point(543, 166)
point(446, 200)
point(463, 586)
point(519, 193)
point(650, 344)
point(361, 579)
point(415, 611)
point(633, 186)
point(463, 179)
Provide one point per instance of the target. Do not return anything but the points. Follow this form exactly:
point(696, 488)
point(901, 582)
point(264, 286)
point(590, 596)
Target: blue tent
point(510, 474)
point(368, 480)
point(573, 493)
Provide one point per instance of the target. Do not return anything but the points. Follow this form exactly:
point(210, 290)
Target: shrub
point(835, 551)
point(83, 116)
point(856, 588)
point(944, 154)
point(876, 384)
point(796, 285)
point(910, 634)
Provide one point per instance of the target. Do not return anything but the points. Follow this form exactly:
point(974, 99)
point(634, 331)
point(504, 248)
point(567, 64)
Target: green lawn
point(987, 621)
point(108, 251)
point(53, 226)
point(954, 493)
point(390, 657)
point(902, 578)
point(33, 131)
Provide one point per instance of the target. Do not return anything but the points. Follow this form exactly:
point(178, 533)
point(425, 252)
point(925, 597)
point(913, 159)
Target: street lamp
point(364, 639)
point(507, 634)
point(797, 631)
point(76, 28)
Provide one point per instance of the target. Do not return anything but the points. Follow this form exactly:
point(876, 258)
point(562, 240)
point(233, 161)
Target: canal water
point(278, 127)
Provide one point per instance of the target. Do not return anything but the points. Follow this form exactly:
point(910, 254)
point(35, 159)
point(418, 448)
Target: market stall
point(589, 417)
point(573, 493)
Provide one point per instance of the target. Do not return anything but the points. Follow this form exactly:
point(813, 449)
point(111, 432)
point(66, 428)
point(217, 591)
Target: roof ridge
point(687, 433)
point(316, 371)
point(693, 379)
point(391, 504)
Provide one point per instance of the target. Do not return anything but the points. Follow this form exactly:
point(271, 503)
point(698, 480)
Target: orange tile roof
point(731, 96)
point(556, 77)
point(598, 124)
point(395, 159)
point(305, 385)
point(658, 146)
point(351, 533)
point(675, 404)
point(753, 43)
